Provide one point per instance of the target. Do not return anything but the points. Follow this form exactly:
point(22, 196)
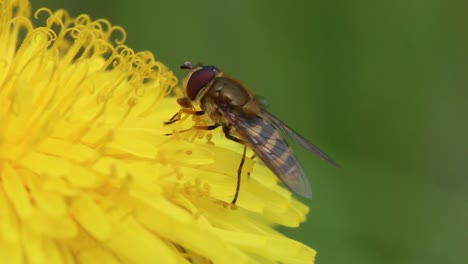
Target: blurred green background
point(379, 85)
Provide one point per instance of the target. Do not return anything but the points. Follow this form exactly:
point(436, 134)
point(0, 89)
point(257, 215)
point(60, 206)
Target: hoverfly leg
point(239, 174)
point(173, 119)
point(187, 108)
point(227, 134)
point(178, 115)
point(184, 102)
point(252, 158)
point(210, 127)
point(180, 131)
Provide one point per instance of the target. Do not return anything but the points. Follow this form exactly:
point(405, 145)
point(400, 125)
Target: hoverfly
point(244, 119)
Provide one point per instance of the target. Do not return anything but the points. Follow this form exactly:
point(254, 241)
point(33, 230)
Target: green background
point(379, 85)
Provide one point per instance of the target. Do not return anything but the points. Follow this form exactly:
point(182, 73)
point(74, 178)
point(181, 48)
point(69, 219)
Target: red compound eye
point(198, 80)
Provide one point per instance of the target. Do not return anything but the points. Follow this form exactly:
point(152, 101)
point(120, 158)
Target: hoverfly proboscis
point(244, 119)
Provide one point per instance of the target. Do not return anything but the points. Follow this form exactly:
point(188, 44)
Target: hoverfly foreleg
point(178, 115)
point(187, 108)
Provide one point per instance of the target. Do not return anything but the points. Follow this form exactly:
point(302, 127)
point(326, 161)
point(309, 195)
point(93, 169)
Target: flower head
point(87, 173)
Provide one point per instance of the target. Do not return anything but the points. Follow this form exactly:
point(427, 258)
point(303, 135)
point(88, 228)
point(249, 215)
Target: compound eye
point(198, 80)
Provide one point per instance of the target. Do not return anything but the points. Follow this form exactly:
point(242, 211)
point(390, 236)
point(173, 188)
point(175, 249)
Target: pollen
point(88, 174)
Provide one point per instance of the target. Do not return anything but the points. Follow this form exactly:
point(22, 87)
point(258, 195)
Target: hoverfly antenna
point(186, 65)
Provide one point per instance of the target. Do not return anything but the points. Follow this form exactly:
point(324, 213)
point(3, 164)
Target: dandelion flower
point(87, 174)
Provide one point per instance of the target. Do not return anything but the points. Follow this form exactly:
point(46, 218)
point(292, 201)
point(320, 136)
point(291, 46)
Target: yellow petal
point(134, 244)
point(16, 191)
point(91, 217)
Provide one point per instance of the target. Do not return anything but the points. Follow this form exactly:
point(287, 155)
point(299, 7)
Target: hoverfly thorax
point(197, 80)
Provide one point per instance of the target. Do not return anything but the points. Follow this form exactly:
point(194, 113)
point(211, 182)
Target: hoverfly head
point(197, 78)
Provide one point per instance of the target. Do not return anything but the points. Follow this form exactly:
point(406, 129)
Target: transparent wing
point(298, 138)
point(268, 145)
